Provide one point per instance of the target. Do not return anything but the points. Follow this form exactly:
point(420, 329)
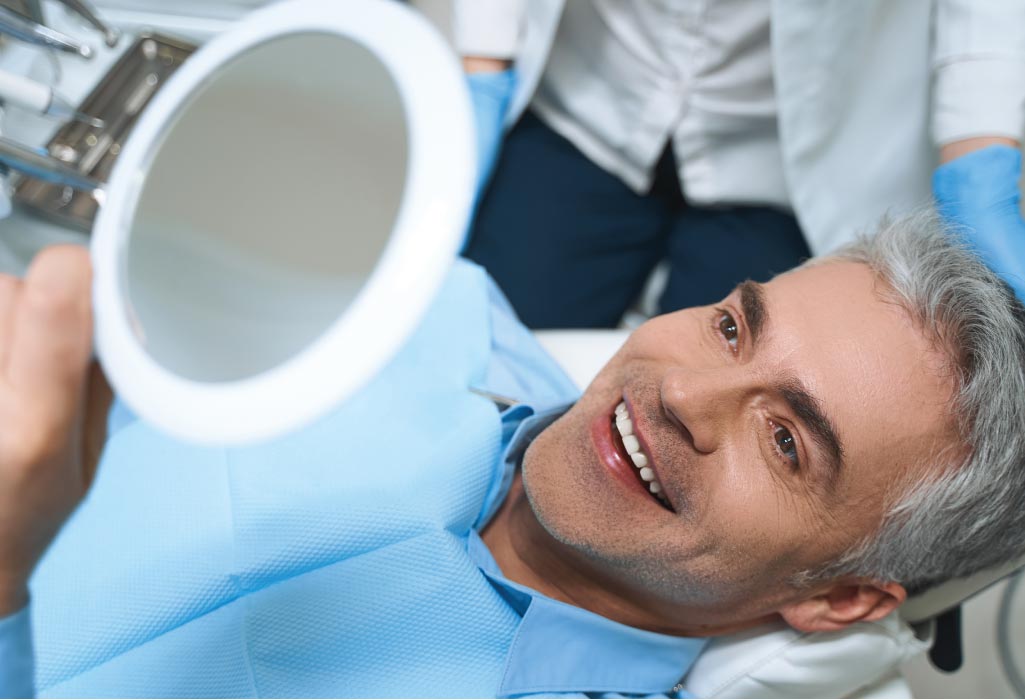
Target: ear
point(843, 604)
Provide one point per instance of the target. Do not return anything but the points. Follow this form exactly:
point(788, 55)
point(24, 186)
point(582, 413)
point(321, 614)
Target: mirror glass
point(266, 206)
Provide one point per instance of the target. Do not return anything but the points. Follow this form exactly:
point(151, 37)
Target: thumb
point(51, 332)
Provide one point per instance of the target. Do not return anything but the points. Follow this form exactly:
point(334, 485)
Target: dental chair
point(776, 661)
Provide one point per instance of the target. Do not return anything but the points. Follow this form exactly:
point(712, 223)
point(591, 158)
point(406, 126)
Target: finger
point(51, 340)
point(10, 290)
point(94, 435)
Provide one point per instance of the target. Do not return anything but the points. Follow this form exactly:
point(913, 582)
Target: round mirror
point(266, 207)
point(281, 217)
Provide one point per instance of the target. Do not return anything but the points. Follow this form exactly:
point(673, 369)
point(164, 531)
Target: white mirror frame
point(429, 228)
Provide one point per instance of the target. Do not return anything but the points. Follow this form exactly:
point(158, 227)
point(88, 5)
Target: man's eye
point(728, 328)
point(785, 443)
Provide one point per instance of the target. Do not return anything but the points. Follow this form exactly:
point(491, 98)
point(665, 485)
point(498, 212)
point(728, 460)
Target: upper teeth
point(633, 447)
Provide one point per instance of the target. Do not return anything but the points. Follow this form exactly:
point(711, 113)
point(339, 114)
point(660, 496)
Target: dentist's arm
point(487, 35)
point(978, 120)
point(491, 83)
point(978, 71)
point(52, 418)
point(977, 190)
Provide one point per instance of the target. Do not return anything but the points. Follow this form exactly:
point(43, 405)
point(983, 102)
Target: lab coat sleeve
point(979, 69)
point(17, 661)
point(488, 28)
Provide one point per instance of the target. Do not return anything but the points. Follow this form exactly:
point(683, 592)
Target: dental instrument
point(84, 10)
point(36, 96)
point(118, 99)
point(41, 165)
point(33, 10)
point(13, 24)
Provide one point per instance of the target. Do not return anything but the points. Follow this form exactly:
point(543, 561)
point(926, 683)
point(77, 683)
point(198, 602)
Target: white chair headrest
point(945, 596)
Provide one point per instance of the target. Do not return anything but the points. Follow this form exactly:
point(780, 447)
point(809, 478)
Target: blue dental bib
point(329, 562)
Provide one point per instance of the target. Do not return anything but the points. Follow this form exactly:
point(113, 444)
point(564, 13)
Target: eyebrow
point(823, 431)
point(801, 401)
point(752, 304)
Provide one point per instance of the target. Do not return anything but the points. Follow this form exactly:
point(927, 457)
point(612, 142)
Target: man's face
point(778, 424)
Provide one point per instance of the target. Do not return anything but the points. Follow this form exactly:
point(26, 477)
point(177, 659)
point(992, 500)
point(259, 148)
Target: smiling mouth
point(630, 447)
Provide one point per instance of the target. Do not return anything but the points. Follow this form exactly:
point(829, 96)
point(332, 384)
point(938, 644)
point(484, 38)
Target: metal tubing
point(15, 25)
point(43, 166)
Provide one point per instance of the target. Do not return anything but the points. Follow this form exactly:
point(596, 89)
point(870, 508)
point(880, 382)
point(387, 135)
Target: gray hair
point(968, 513)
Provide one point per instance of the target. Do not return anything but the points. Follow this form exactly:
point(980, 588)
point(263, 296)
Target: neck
point(528, 555)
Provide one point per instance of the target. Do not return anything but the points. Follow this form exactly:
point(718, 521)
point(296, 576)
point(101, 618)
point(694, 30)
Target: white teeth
point(633, 447)
point(631, 444)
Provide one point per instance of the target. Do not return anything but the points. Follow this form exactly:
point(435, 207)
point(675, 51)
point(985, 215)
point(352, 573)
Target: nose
point(703, 403)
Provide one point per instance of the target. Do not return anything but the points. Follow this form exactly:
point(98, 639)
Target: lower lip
point(605, 444)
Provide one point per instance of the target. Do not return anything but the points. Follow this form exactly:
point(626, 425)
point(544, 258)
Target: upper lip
point(639, 433)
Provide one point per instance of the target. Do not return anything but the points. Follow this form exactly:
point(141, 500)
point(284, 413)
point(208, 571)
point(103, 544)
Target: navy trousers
point(572, 245)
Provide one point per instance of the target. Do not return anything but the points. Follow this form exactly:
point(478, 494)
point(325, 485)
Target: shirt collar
point(594, 654)
point(521, 423)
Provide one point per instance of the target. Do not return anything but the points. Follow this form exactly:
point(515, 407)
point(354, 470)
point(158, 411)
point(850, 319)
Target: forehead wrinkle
point(792, 389)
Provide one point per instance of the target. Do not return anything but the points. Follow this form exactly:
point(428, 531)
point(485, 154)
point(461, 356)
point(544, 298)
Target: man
point(811, 449)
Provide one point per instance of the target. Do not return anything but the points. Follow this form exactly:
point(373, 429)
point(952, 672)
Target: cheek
point(551, 466)
point(609, 381)
point(753, 520)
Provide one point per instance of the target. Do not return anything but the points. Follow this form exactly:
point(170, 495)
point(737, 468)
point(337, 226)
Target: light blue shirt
point(321, 579)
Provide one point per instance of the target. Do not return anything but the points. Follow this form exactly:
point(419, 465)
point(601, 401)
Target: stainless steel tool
point(42, 165)
point(85, 10)
point(17, 26)
point(39, 97)
point(32, 10)
point(88, 151)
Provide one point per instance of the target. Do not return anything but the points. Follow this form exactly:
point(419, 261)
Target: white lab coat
point(867, 90)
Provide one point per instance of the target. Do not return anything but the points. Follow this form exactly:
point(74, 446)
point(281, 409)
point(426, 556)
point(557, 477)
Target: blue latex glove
point(978, 192)
point(491, 93)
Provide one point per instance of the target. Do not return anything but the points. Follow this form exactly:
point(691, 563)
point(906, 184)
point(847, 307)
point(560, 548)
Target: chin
point(558, 502)
point(577, 510)
point(546, 480)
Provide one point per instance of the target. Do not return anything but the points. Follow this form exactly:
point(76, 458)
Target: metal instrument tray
point(118, 99)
